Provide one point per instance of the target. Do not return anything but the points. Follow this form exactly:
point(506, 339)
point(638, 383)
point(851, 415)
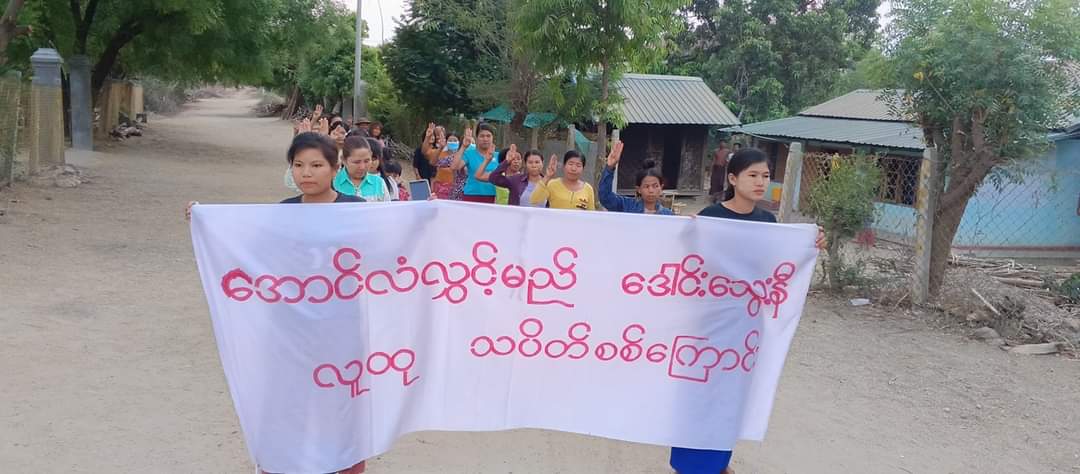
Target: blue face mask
point(452, 146)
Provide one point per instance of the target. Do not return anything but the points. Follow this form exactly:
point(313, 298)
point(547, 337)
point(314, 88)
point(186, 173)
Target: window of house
point(899, 180)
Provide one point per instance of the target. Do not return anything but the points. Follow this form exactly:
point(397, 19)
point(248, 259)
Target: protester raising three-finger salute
point(568, 191)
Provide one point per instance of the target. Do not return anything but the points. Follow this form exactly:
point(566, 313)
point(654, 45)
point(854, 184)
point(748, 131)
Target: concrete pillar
point(47, 111)
point(82, 117)
point(534, 139)
point(137, 111)
point(925, 209)
point(789, 193)
point(347, 110)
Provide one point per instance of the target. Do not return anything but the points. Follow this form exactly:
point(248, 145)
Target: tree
point(213, 40)
point(768, 58)
point(843, 203)
point(580, 37)
point(490, 26)
point(9, 28)
point(985, 81)
point(435, 65)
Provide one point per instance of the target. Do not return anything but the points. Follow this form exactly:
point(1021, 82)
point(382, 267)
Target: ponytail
point(649, 168)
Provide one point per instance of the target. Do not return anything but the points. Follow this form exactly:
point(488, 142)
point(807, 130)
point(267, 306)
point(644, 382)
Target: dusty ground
point(108, 362)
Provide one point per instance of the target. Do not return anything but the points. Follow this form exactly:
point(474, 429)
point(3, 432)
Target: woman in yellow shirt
point(569, 191)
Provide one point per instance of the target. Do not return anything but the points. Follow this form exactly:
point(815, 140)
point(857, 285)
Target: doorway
point(672, 156)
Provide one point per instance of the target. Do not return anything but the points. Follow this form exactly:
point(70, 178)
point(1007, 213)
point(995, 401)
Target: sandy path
point(108, 363)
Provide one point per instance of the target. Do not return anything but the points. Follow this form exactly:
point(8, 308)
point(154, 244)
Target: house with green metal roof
point(1038, 217)
point(668, 120)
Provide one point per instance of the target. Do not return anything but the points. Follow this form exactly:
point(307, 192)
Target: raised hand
point(324, 126)
point(467, 140)
point(304, 126)
point(615, 155)
point(552, 167)
point(338, 135)
point(430, 132)
point(317, 113)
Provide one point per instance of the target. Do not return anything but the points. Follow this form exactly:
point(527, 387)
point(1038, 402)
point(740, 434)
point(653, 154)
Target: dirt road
point(108, 362)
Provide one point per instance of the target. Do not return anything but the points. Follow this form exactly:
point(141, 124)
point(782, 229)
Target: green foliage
point(582, 37)
point(192, 40)
point(1070, 289)
point(842, 201)
point(435, 64)
point(872, 71)
point(1007, 79)
point(770, 58)
point(985, 79)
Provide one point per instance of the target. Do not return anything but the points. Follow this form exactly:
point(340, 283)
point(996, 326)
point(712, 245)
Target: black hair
point(378, 153)
point(377, 125)
point(341, 122)
point(376, 150)
point(313, 141)
point(738, 145)
point(354, 143)
point(357, 132)
point(392, 167)
point(484, 127)
point(572, 154)
point(532, 152)
point(649, 168)
point(452, 134)
point(503, 155)
point(739, 162)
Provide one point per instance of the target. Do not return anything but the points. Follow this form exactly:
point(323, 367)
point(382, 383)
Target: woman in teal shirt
point(360, 175)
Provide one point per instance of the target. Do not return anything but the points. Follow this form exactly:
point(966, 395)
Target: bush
point(842, 200)
point(1069, 290)
point(163, 97)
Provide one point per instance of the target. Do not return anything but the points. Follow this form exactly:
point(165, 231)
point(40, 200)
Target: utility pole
point(359, 104)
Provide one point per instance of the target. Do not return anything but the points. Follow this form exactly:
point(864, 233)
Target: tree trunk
point(962, 186)
point(834, 263)
point(8, 29)
point(124, 34)
point(292, 104)
point(522, 85)
point(601, 125)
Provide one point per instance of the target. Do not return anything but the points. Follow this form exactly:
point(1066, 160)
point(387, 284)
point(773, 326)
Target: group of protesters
point(332, 161)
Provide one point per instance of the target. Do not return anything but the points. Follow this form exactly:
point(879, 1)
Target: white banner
point(344, 326)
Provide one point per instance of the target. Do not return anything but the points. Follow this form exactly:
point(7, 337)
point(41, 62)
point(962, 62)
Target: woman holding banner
point(747, 180)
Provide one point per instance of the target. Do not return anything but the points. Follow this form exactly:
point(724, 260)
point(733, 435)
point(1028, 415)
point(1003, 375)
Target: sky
point(381, 15)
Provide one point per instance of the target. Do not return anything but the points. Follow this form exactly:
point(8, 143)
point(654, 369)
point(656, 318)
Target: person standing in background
point(719, 171)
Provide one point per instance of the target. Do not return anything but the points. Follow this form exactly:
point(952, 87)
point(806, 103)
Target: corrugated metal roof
point(853, 132)
point(655, 99)
point(863, 104)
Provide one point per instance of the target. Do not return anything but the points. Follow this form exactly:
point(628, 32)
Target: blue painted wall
point(1040, 212)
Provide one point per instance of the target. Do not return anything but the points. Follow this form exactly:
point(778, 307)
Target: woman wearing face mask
point(520, 185)
point(447, 183)
point(649, 182)
point(569, 191)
